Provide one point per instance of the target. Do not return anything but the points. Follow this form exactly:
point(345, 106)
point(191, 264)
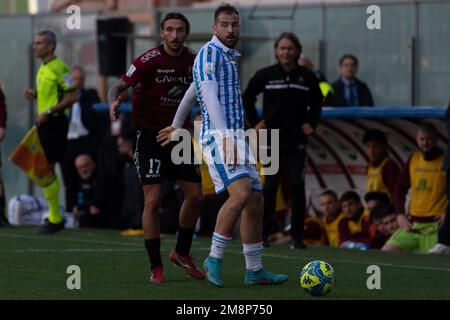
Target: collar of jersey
point(216, 42)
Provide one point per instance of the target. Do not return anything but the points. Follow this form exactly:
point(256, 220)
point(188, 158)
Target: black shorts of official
point(53, 137)
point(153, 162)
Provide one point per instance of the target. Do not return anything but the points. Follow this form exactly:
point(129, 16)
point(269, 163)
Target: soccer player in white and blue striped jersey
point(217, 89)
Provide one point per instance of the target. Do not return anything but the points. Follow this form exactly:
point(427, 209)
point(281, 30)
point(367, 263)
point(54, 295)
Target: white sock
point(253, 256)
point(218, 245)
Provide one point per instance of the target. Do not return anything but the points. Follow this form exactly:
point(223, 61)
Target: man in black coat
point(98, 197)
point(349, 90)
point(292, 104)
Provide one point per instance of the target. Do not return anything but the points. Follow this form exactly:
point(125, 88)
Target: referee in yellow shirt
point(54, 94)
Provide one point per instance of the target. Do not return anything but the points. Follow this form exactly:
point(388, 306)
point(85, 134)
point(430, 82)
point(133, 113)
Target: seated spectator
point(314, 232)
point(424, 178)
point(358, 219)
point(133, 197)
point(382, 171)
point(82, 136)
point(333, 219)
point(376, 198)
point(350, 91)
point(98, 200)
point(384, 220)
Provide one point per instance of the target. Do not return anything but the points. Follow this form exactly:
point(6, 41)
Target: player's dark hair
point(330, 193)
point(290, 36)
point(348, 56)
point(225, 8)
point(176, 16)
point(381, 197)
point(50, 37)
point(375, 135)
point(349, 196)
point(429, 128)
point(380, 211)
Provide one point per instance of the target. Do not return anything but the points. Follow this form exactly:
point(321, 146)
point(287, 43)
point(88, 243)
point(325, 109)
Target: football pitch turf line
point(114, 267)
point(164, 248)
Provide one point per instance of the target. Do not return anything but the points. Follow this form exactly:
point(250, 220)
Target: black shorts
point(153, 162)
point(53, 137)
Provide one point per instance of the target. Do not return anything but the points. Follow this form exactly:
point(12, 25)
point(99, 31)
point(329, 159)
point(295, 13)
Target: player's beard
point(176, 47)
point(230, 42)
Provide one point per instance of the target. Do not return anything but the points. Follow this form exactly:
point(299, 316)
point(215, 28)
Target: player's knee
point(195, 200)
point(151, 205)
point(241, 198)
point(259, 199)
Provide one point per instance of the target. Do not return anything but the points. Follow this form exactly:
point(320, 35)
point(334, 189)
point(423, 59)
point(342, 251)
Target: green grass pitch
point(115, 267)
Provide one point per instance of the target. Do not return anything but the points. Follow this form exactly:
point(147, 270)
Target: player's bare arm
point(115, 99)
point(69, 99)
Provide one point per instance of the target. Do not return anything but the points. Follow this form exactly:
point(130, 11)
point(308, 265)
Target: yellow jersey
point(332, 230)
point(375, 179)
point(427, 180)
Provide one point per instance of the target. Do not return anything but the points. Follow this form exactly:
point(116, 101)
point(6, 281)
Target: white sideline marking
point(68, 250)
point(201, 248)
point(55, 239)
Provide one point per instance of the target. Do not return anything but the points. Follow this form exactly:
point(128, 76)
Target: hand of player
point(114, 108)
point(403, 222)
point(41, 119)
point(29, 94)
point(165, 135)
point(2, 133)
point(260, 125)
point(94, 210)
point(307, 129)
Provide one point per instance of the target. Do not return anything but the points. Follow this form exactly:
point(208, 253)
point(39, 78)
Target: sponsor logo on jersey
point(209, 69)
point(131, 70)
point(165, 71)
point(150, 55)
point(170, 79)
point(175, 91)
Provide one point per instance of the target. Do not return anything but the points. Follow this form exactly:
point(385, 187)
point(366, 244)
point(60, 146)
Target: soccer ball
point(317, 278)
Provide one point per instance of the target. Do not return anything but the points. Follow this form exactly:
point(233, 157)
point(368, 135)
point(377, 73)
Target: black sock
point(154, 253)
point(184, 241)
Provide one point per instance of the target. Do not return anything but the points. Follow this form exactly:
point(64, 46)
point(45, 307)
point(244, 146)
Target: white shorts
point(222, 175)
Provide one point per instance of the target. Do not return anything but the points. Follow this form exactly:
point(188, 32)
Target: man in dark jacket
point(82, 137)
point(292, 104)
point(349, 90)
point(98, 197)
point(3, 220)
